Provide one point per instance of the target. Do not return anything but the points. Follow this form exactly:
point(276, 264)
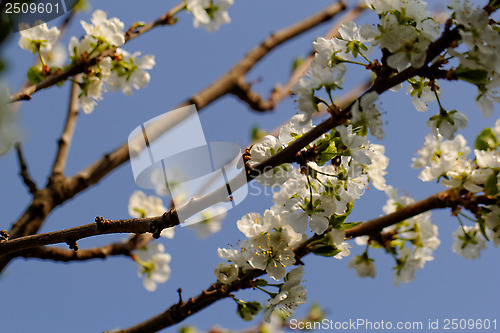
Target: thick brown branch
point(23, 170)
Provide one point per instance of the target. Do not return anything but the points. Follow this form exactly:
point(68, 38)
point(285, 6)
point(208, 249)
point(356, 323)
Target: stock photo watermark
point(366, 325)
point(25, 14)
point(176, 160)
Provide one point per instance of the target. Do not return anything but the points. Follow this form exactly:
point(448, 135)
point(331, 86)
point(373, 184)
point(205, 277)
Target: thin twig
point(68, 132)
point(24, 172)
point(102, 252)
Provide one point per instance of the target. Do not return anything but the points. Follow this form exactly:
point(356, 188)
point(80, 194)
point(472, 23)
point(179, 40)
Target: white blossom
point(298, 125)
point(55, 57)
point(365, 113)
point(153, 265)
point(105, 30)
point(421, 95)
point(448, 126)
point(130, 72)
point(211, 223)
point(260, 152)
point(253, 224)
point(38, 38)
point(407, 265)
point(363, 265)
point(355, 143)
point(226, 273)
point(210, 14)
point(91, 86)
point(291, 295)
point(377, 169)
point(270, 252)
point(140, 205)
point(468, 242)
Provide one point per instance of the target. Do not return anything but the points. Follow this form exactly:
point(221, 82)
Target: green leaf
point(474, 76)
point(296, 63)
point(257, 134)
point(490, 187)
point(487, 139)
point(247, 310)
point(495, 4)
point(325, 250)
point(261, 282)
point(35, 74)
point(336, 221)
point(482, 228)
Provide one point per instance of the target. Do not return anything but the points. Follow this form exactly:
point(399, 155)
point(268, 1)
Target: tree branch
point(24, 172)
point(70, 236)
point(68, 132)
point(102, 252)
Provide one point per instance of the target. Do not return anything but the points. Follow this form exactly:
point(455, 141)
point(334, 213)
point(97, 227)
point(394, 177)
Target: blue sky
point(42, 296)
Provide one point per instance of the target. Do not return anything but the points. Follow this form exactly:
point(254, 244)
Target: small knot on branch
point(101, 222)
point(179, 291)
point(4, 235)
point(72, 244)
point(167, 220)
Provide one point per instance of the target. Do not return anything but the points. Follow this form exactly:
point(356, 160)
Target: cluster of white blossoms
point(317, 196)
point(38, 38)
point(480, 62)
point(152, 261)
point(406, 30)
point(122, 70)
point(411, 242)
point(209, 14)
point(447, 161)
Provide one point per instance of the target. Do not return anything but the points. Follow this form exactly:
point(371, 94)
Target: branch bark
point(68, 132)
point(70, 236)
point(23, 170)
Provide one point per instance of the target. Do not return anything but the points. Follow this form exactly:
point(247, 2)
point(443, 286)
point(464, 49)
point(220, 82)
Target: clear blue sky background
point(42, 296)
